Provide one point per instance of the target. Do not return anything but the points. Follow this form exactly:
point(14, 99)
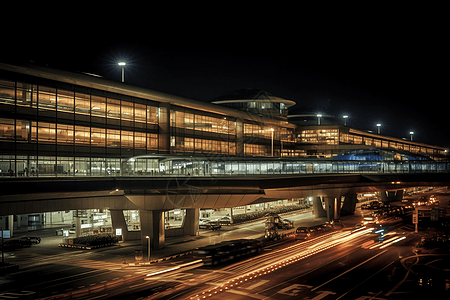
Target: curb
point(160, 259)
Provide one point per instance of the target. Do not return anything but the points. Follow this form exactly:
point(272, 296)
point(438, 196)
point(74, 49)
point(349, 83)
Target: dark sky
point(388, 68)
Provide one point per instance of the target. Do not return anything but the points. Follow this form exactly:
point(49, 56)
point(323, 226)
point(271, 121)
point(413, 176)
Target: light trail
point(174, 268)
point(286, 256)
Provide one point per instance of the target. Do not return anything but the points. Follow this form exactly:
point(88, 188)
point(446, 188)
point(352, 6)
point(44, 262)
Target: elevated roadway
point(33, 195)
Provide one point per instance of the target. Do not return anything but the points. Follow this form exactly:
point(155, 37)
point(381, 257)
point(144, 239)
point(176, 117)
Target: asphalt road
point(346, 264)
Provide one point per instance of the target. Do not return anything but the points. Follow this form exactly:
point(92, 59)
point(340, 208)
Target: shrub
point(95, 240)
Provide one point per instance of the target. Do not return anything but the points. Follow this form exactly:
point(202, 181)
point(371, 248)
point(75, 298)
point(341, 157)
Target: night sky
point(379, 69)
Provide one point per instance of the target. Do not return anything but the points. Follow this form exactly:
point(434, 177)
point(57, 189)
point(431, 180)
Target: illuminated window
point(140, 140)
point(98, 137)
point(24, 94)
point(113, 109)
point(152, 141)
point(65, 100)
point(139, 113)
point(7, 91)
point(113, 138)
point(189, 144)
point(47, 98)
point(98, 106)
point(6, 129)
point(152, 114)
point(82, 103)
point(189, 121)
point(126, 139)
point(46, 132)
point(64, 134)
point(82, 135)
point(127, 111)
point(23, 130)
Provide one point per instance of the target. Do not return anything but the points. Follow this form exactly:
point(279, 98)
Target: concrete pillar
point(337, 208)
point(11, 224)
point(349, 205)
point(118, 221)
point(191, 221)
point(391, 196)
point(329, 207)
point(77, 225)
point(319, 212)
point(152, 225)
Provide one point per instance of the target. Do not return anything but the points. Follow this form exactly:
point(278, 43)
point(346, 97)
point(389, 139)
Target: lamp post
point(318, 119)
point(123, 64)
point(148, 255)
point(345, 119)
point(411, 135)
point(379, 128)
point(271, 129)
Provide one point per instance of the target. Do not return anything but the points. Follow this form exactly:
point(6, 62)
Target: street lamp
point(148, 256)
point(271, 129)
point(123, 64)
point(318, 119)
point(345, 119)
point(378, 128)
point(411, 134)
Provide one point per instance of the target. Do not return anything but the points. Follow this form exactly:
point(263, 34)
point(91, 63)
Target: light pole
point(345, 119)
point(148, 238)
point(318, 119)
point(123, 64)
point(271, 129)
point(379, 128)
point(411, 134)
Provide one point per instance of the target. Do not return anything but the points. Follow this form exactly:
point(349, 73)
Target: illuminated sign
point(6, 234)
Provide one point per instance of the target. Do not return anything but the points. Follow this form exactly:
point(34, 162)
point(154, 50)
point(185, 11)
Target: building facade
point(57, 123)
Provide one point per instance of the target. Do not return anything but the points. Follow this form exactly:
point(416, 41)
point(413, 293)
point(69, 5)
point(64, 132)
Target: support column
point(152, 225)
point(391, 196)
point(118, 221)
point(77, 224)
point(329, 207)
point(319, 212)
point(191, 221)
point(337, 208)
point(349, 205)
point(11, 224)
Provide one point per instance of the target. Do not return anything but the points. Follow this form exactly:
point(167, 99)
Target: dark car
point(34, 239)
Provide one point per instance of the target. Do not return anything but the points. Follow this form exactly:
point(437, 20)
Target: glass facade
point(54, 128)
point(325, 138)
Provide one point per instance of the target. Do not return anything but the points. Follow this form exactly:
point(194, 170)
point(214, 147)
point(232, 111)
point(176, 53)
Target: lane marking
point(366, 279)
point(348, 270)
point(264, 281)
point(255, 296)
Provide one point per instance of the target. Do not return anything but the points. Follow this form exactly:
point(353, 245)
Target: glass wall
point(320, 136)
point(129, 124)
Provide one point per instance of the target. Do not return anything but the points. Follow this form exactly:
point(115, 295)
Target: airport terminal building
point(56, 123)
